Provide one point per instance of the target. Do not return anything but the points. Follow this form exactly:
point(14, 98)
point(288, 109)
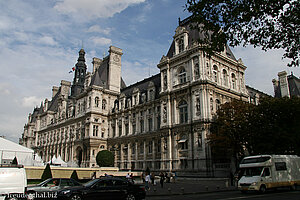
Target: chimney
point(54, 91)
point(283, 82)
point(96, 64)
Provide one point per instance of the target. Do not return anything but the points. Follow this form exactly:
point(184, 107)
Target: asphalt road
point(232, 195)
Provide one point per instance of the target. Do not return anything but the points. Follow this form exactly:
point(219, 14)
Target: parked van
point(13, 182)
point(259, 173)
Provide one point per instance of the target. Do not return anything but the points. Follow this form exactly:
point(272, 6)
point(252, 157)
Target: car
point(104, 188)
point(50, 187)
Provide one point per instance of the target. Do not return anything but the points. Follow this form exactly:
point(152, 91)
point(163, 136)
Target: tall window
point(120, 129)
point(126, 129)
point(95, 130)
point(180, 44)
point(150, 125)
point(133, 128)
point(103, 104)
point(225, 81)
point(218, 103)
point(233, 81)
point(183, 112)
point(182, 76)
point(215, 74)
point(97, 101)
point(142, 125)
point(150, 146)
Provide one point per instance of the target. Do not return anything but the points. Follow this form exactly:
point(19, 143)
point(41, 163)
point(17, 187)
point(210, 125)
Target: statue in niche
point(165, 81)
point(165, 114)
point(198, 104)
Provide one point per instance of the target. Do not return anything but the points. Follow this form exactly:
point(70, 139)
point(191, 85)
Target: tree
point(262, 23)
point(74, 175)
point(230, 130)
point(272, 127)
point(105, 158)
point(15, 161)
point(47, 172)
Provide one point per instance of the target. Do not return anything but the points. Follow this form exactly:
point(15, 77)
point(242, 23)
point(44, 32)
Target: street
point(229, 195)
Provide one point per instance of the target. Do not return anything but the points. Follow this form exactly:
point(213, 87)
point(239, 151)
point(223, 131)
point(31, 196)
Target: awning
point(182, 141)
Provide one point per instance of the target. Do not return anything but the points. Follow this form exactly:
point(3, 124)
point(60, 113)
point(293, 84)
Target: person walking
point(147, 182)
point(162, 179)
point(152, 178)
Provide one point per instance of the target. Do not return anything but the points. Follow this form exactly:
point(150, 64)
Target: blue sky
point(40, 41)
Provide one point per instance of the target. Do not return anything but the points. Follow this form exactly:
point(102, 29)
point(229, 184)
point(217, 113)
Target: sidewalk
point(190, 187)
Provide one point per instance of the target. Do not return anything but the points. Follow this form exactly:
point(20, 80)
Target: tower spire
point(79, 75)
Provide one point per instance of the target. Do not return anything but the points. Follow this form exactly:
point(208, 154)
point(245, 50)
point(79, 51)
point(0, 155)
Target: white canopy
point(60, 162)
point(9, 150)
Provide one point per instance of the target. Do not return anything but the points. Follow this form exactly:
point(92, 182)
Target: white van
point(259, 173)
point(13, 182)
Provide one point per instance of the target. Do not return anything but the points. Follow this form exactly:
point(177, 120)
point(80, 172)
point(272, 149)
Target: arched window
point(233, 81)
point(103, 104)
point(97, 101)
point(183, 112)
point(218, 103)
point(182, 76)
point(215, 74)
point(225, 81)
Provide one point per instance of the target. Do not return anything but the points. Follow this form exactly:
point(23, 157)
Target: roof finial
point(178, 20)
point(81, 44)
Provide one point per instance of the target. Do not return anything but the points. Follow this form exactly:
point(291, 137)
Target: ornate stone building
point(160, 122)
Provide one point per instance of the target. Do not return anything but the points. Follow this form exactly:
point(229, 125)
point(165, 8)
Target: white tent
point(9, 150)
point(38, 161)
point(60, 162)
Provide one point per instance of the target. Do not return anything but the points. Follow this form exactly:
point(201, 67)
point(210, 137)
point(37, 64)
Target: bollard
point(169, 189)
point(218, 187)
point(226, 184)
point(206, 188)
point(182, 190)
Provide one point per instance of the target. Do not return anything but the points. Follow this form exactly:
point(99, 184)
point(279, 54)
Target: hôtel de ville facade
point(161, 122)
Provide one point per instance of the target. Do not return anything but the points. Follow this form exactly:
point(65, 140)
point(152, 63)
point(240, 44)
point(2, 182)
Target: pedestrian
point(142, 177)
point(131, 177)
point(128, 176)
point(152, 178)
point(162, 179)
point(147, 182)
point(94, 175)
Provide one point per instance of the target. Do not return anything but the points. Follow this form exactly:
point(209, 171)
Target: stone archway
point(79, 155)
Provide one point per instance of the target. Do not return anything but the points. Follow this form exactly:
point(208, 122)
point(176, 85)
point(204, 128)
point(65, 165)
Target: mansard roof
point(53, 104)
point(100, 77)
point(193, 36)
point(143, 85)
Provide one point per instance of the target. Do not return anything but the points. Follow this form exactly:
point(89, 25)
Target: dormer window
point(182, 76)
point(180, 44)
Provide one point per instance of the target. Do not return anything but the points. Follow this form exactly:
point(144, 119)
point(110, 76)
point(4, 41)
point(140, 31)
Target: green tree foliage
point(264, 23)
point(15, 161)
point(74, 175)
point(230, 130)
point(105, 158)
point(47, 172)
point(272, 127)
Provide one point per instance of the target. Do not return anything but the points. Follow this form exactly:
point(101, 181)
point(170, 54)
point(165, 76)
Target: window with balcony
point(182, 76)
point(183, 112)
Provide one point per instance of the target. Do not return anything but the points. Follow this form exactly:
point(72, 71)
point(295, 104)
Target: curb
point(189, 193)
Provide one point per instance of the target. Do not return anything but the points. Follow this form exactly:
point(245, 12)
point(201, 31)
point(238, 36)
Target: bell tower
point(79, 77)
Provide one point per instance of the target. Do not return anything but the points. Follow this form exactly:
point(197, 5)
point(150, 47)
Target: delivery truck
point(13, 182)
point(262, 172)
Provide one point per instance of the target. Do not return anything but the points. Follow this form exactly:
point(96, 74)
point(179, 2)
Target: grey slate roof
point(143, 86)
point(100, 78)
point(194, 35)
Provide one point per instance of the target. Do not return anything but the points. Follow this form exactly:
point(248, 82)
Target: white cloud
point(31, 101)
point(47, 40)
point(98, 29)
point(94, 8)
point(101, 41)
